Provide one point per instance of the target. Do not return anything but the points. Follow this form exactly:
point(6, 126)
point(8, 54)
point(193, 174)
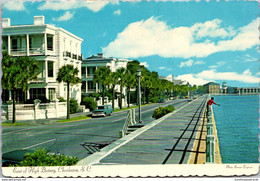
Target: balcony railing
point(36, 51)
point(72, 55)
point(18, 52)
point(91, 91)
point(90, 75)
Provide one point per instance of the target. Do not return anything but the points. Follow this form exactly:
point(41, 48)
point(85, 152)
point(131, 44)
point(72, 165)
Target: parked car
point(103, 110)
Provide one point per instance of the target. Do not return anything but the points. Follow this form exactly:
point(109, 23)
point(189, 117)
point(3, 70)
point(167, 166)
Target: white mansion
point(52, 48)
point(88, 68)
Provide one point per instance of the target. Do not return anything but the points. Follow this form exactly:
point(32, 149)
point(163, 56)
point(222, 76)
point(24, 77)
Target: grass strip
point(15, 124)
point(79, 118)
point(126, 108)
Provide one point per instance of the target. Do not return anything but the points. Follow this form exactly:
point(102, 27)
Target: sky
point(196, 41)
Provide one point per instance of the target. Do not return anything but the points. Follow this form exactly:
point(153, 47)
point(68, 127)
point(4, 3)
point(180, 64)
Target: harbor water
point(237, 122)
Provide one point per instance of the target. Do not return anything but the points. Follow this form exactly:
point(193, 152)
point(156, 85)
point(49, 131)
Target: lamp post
point(139, 94)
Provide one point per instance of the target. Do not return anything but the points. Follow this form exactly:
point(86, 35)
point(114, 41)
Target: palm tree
point(101, 76)
point(121, 81)
point(68, 74)
point(129, 82)
point(113, 81)
point(16, 74)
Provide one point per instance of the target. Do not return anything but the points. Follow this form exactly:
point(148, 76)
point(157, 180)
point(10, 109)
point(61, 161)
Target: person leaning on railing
point(210, 102)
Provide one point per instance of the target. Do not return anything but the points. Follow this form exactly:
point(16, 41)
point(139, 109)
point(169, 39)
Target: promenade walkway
point(168, 140)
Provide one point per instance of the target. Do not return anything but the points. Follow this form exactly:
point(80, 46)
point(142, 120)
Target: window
point(91, 85)
point(50, 43)
point(83, 71)
point(50, 69)
point(14, 45)
point(51, 93)
point(37, 92)
point(83, 86)
point(30, 43)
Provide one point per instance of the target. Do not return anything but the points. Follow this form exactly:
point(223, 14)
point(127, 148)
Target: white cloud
point(212, 75)
point(67, 16)
point(246, 76)
point(219, 64)
point(14, 5)
point(118, 12)
point(187, 63)
point(94, 6)
point(192, 79)
point(154, 37)
point(144, 64)
point(212, 29)
point(161, 68)
point(199, 62)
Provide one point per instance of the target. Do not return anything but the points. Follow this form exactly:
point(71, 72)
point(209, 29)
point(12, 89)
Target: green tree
point(101, 76)
point(16, 74)
point(129, 83)
point(68, 74)
point(113, 81)
point(121, 81)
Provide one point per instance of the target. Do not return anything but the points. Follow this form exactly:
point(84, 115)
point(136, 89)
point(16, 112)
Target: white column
point(10, 95)
point(47, 92)
point(96, 87)
point(45, 43)
point(28, 93)
point(9, 45)
point(86, 86)
point(46, 71)
point(27, 45)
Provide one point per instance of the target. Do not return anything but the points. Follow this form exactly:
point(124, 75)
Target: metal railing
point(130, 120)
point(210, 138)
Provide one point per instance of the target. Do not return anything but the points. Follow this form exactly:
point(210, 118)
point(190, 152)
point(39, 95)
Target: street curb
point(97, 156)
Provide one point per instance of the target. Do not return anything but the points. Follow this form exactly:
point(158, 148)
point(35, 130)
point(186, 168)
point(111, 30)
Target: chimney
point(6, 22)
point(38, 20)
point(100, 55)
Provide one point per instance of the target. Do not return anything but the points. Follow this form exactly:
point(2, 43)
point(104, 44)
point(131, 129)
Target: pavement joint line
point(97, 156)
point(38, 144)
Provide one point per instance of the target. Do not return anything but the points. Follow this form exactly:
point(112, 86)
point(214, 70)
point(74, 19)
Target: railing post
point(209, 128)
point(121, 134)
point(36, 105)
point(210, 149)
point(130, 117)
point(133, 116)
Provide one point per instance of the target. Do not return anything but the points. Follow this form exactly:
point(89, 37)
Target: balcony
point(90, 76)
point(38, 80)
point(18, 52)
point(91, 91)
point(36, 51)
point(67, 54)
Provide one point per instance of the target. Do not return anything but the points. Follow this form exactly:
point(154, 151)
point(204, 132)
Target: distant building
point(232, 90)
point(88, 68)
point(52, 47)
point(211, 87)
point(248, 90)
point(224, 88)
point(172, 79)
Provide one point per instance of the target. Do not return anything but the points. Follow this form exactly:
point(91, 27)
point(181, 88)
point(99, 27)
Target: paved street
point(66, 138)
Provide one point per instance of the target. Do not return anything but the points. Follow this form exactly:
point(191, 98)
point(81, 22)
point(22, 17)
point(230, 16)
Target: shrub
point(61, 99)
point(161, 111)
point(42, 98)
point(41, 157)
point(89, 103)
point(74, 107)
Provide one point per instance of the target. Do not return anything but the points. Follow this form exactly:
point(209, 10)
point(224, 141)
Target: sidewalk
point(168, 140)
point(48, 121)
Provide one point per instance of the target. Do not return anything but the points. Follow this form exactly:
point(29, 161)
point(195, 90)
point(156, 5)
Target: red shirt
point(210, 102)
